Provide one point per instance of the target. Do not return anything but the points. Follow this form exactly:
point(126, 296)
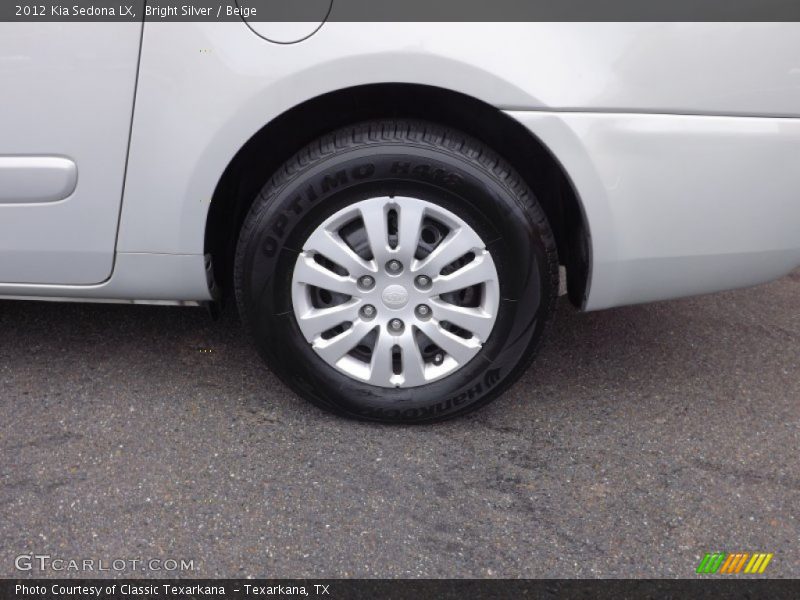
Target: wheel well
point(277, 141)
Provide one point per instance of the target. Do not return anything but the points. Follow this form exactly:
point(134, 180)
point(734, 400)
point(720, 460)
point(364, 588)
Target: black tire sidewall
point(286, 214)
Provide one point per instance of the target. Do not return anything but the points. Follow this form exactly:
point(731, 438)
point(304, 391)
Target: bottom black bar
point(400, 589)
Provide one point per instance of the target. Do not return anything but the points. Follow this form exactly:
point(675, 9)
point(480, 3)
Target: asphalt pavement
point(641, 438)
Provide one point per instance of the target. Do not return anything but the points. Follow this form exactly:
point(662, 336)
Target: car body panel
point(680, 205)
point(661, 127)
point(67, 97)
point(138, 278)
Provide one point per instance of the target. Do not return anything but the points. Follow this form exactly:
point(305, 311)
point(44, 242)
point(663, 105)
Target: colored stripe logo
point(732, 563)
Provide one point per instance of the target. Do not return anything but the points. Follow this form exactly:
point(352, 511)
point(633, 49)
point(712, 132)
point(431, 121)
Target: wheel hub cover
point(395, 297)
point(413, 305)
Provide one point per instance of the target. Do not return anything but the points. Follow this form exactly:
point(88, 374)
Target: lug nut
point(423, 282)
point(394, 266)
point(423, 311)
point(366, 282)
point(396, 325)
point(368, 311)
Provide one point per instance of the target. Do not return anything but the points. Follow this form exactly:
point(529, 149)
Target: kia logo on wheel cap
point(395, 296)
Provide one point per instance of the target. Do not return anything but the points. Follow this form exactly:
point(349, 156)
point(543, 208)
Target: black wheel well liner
point(282, 137)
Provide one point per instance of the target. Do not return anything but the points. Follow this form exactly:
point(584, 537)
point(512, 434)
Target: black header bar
point(401, 10)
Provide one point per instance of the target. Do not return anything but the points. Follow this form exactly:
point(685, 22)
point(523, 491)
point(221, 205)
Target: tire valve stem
point(438, 358)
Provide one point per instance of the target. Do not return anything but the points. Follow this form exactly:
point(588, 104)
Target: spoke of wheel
point(374, 216)
point(409, 224)
point(308, 271)
point(413, 367)
point(457, 243)
point(318, 320)
point(460, 349)
point(381, 371)
point(478, 271)
point(474, 320)
point(335, 348)
point(333, 247)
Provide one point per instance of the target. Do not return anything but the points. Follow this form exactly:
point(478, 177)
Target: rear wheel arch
point(279, 139)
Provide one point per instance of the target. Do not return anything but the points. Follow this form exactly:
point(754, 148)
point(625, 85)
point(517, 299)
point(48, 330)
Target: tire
point(403, 161)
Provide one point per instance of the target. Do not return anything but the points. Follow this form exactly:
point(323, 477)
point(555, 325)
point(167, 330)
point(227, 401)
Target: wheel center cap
point(395, 297)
